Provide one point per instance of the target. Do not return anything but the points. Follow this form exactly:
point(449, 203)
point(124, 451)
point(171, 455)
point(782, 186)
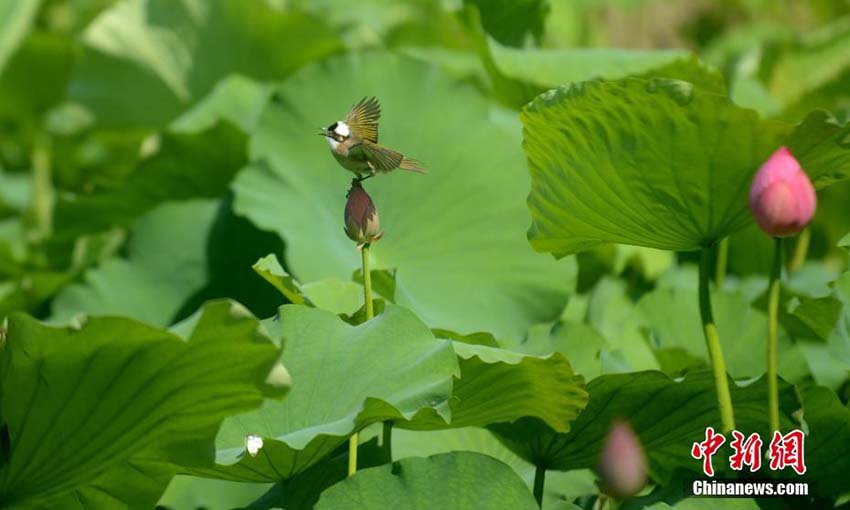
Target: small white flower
point(253, 444)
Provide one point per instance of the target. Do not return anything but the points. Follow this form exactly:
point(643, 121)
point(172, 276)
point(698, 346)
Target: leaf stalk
point(539, 481)
point(370, 312)
point(712, 341)
point(772, 329)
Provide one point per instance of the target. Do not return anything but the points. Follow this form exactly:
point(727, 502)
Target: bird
point(354, 143)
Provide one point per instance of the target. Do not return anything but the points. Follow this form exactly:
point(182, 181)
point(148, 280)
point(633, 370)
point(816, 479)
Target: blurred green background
point(151, 151)
point(101, 103)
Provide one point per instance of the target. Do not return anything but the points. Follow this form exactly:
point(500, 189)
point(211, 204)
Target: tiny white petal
point(342, 128)
point(253, 444)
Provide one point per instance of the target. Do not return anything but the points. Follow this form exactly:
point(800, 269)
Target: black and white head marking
point(339, 132)
point(341, 129)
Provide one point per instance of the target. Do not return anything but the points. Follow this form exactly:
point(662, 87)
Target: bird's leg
point(361, 179)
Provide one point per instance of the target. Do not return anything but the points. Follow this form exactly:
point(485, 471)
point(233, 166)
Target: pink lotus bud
point(623, 467)
point(361, 217)
point(782, 197)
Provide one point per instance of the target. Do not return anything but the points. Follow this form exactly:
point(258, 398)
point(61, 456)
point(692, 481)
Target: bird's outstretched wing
point(383, 159)
point(362, 119)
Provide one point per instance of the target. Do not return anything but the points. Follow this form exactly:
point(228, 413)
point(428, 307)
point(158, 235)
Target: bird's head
point(338, 132)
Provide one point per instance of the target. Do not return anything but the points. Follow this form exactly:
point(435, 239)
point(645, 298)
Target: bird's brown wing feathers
point(362, 119)
point(385, 160)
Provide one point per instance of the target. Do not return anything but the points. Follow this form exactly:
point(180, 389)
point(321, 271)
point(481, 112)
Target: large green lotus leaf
point(827, 441)
point(822, 145)
point(703, 503)
point(73, 442)
point(519, 74)
point(178, 255)
point(498, 385)
point(455, 234)
point(235, 98)
point(670, 321)
point(460, 481)
point(611, 311)
point(491, 386)
point(512, 22)
point(651, 163)
point(667, 415)
point(197, 165)
point(15, 21)
point(844, 243)
point(803, 316)
point(187, 492)
point(495, 385)
point(302, 491)
point(348, 377)
point(233, 244)
point(554, 67)
point(270, 270)
point(559, 485)
point(163, 56)
point(30, 290)
point(164, 267)
point(590, 354)
point(297, 493)
point(818, 58)
point(829, 362)
point(46, 55)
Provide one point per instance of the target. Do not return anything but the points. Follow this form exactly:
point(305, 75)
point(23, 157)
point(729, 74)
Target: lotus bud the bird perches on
point(622, 468)
point(361, 218)
point(363, 227)
point(782, 197)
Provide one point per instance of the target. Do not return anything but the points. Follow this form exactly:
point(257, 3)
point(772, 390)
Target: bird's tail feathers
point(411, 165)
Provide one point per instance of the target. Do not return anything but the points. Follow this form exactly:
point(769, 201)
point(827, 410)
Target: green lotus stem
point(370, 312)
point(387, 443)
point(367, 282)
point(801, 249)
point(772, 326)
point(721, 262)
point(352, 453)
point(712, 341)
point(42, 188)
point(539, 481)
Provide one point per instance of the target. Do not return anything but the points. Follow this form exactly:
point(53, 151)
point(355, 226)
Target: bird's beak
point(322, 132)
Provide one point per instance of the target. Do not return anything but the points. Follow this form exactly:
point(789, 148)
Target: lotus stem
point(539, 481)
point(712, 341)
point(721, 262)
point(42, 188)
point(772, 327)
point(387, 442)
point(801, 249)
point(370, 312)
point(352, 453)
point(367, 282)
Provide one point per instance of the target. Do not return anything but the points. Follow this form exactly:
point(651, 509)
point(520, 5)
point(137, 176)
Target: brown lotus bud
point(361, 218)
point(623, 467)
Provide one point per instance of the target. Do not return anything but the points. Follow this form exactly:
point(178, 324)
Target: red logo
point(747, 452)
point(707, 448)
point(787, 450)
point(784, 451)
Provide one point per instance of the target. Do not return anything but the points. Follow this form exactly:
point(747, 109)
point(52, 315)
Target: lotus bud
point(361, 217)
point(623, 467)
point(782, 197)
